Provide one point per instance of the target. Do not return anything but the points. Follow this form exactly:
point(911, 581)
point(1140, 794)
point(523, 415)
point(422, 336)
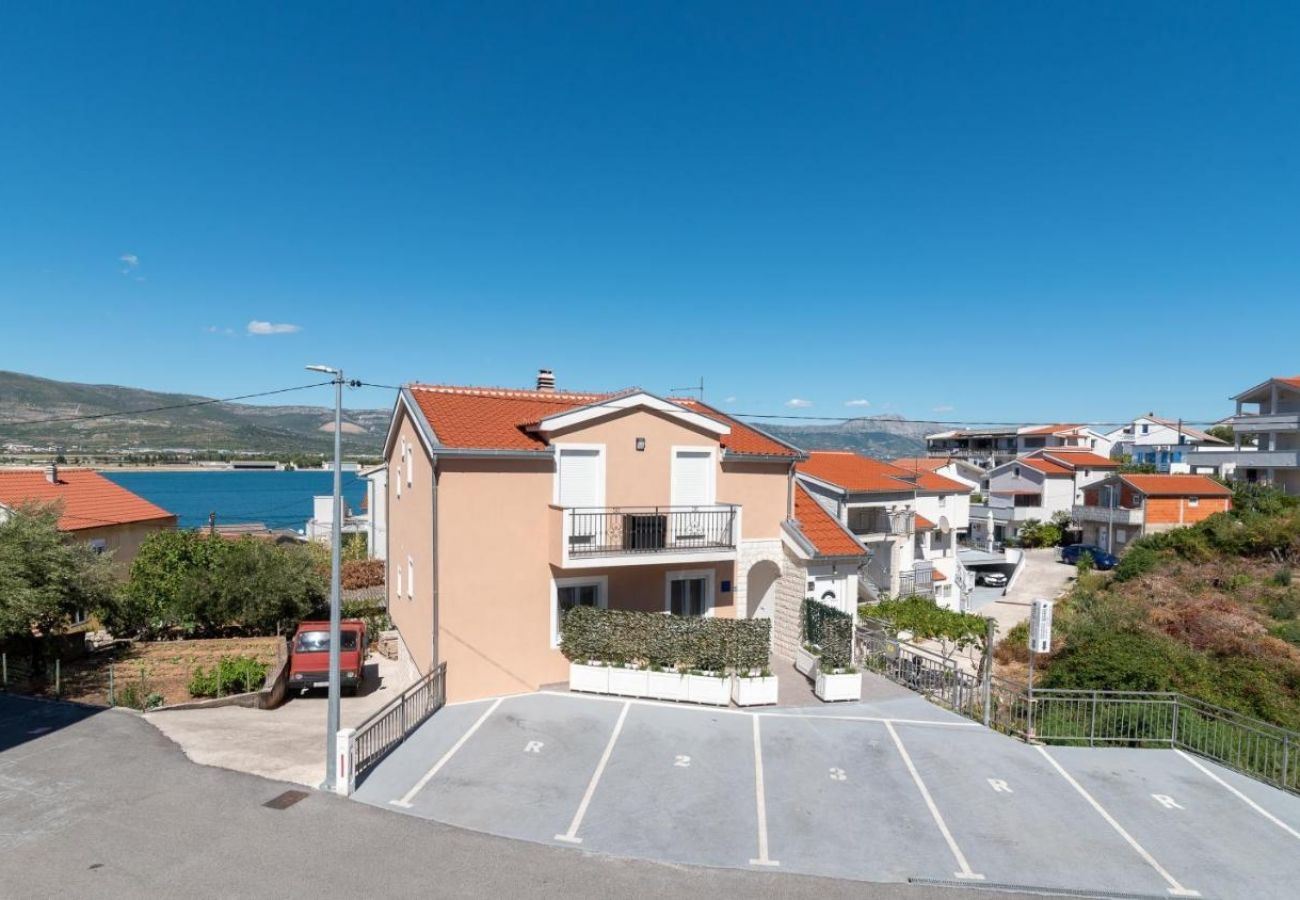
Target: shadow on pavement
point(24, 719)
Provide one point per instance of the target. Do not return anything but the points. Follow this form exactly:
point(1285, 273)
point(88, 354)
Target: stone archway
point(761, 589)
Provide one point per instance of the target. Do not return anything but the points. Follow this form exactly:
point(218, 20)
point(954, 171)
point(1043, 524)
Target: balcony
point(1254, 423)
point(877, 523)
point(645, 535)
point(1245, 459)
point(1120, 515)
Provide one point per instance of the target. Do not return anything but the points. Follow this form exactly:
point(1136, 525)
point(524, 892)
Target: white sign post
point(1040, 641)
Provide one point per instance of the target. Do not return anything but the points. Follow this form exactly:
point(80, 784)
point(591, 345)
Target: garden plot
point(871, 791)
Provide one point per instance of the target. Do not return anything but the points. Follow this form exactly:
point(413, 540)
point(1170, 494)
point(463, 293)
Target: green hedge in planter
point(665, 642)
point(831, 630)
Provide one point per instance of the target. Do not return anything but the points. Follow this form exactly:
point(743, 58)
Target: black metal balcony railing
point(609, 531)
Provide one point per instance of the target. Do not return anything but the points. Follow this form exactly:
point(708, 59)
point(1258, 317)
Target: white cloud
point(862, 403)
point(130, 259)
point(796, 403)
point(943, 408)
point(217, 329)
point(256, 327)
point(729, 400)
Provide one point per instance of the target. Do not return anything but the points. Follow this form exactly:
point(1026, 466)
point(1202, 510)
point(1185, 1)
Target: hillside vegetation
point(28, 402)
point(1212, 611)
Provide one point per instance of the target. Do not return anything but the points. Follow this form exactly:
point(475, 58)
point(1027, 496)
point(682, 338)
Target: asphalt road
point(100, 804)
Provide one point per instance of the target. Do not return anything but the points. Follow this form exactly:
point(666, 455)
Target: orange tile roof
point(1177, 486)
point(930, 481)
point(923, 524)
point(827, 535)
point(484, 418)
point(89, 499)
point(921, 463)
point(1050, 429)
point(938, 576)
point(1043, 465)
point(1293, 382)
point(1079, 458)
point(853, 472)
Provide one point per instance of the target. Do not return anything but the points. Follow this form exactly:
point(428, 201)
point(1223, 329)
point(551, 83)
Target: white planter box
point(753, 691)
point(838, 687)
point(666, 685)
point(710, 689)
point(628, 682)
point(806, 662)
point(592, 679)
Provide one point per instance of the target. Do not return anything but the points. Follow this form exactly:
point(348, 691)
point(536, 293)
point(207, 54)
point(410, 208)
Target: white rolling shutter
point(692, 478)
point(580, 478)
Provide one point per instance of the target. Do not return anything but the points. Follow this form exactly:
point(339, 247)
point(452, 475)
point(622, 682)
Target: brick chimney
point(545, 380)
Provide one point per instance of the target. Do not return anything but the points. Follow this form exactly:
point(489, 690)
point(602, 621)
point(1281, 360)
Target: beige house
point(508, 507)
point(92, 508)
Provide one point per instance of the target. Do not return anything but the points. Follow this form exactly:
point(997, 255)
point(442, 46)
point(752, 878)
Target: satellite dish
point(944, 525)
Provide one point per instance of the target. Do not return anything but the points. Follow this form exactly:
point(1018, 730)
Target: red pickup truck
point(309, 659)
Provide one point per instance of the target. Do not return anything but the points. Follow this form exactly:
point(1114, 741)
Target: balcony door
point(693, 485)
point(690, 593)
point(580, 489)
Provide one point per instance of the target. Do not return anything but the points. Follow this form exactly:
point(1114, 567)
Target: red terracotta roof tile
point(89, 499)
point(827, 535)
point(920, 463)
point(1293, 382)
point(1079, 458)
point(498, 418)
point(854, 472)
point(1043, 465)
point(933, 482)
point(1049, 429)
point(1177, 486)
point(923, 524)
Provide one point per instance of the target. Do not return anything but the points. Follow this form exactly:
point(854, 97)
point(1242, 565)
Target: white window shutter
point(692, 478)
point(579, 477)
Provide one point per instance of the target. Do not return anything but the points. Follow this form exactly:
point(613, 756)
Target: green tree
point(45, 577)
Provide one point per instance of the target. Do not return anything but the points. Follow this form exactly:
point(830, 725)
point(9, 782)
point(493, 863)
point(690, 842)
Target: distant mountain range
point(27, 402)
point(884, 436)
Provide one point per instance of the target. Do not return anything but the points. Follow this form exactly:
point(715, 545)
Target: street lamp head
point(324, 369)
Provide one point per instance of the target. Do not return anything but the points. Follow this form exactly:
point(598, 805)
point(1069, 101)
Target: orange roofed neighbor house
point(93, 509)
point(1122, 508)
point(508, 507)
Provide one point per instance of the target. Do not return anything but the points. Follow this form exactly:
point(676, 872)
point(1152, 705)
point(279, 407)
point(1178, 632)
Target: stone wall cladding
point(747, 554)
point(790, 592)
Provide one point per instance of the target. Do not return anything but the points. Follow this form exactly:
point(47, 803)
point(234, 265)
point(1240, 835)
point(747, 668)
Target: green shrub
point(1287, 631)
point(1127, 661)
point(231, 675)
point(830, 630)
point(1139, 560)
point(665, 642)
point(132, 696)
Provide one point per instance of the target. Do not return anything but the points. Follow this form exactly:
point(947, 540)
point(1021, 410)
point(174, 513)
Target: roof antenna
point(694, 387)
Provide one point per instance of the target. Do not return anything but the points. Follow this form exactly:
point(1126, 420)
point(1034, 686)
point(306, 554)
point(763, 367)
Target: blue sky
point(1038, 211)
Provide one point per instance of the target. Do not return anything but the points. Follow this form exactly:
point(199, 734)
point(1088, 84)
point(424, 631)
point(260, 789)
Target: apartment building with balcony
point(1268, 415)
point(993, 446)
point(909, 521)
point(508, 507)
point(1164, 443)
point(1122, 508)
point(1034, 487)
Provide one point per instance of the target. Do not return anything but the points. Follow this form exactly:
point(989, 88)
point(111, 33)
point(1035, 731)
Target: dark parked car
point(1100, 558)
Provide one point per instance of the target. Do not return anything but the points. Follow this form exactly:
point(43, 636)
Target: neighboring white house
point(991, 447)
point(1035, 486)
point(320, 526)
point(909, 521)
point(376, 510)
point(1163, 443)
point(1268, 413)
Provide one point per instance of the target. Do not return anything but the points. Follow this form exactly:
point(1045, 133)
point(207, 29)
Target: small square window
point(1193, 501)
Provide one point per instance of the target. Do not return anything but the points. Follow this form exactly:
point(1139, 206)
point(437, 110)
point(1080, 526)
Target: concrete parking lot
point(890, 791)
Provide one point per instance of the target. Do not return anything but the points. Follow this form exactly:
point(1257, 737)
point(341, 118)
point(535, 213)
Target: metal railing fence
point(1255, 748)
point(374, 738)
point(603, 531)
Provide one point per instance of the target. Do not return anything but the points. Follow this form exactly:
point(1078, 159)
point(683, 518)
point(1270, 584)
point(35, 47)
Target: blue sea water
point(278, 499)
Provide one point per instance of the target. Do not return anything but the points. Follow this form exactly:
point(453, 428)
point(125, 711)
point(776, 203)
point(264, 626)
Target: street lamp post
point(336, 546)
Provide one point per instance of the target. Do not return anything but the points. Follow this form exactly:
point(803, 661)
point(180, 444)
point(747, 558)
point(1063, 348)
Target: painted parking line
point(937, 723)
point(760, 800)
point(1249, 802)
point(405, 801)
point(571, 836)
point(1175, 887)
point(964, 870)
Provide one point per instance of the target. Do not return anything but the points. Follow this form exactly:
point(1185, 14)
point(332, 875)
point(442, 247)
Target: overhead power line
point(968, 423)
point(152, 409)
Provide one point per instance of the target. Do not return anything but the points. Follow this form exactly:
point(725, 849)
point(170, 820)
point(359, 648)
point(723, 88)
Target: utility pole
point(336, 542)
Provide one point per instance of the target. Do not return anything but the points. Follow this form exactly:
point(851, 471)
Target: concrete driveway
point(895, 791)
point(288, 743)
